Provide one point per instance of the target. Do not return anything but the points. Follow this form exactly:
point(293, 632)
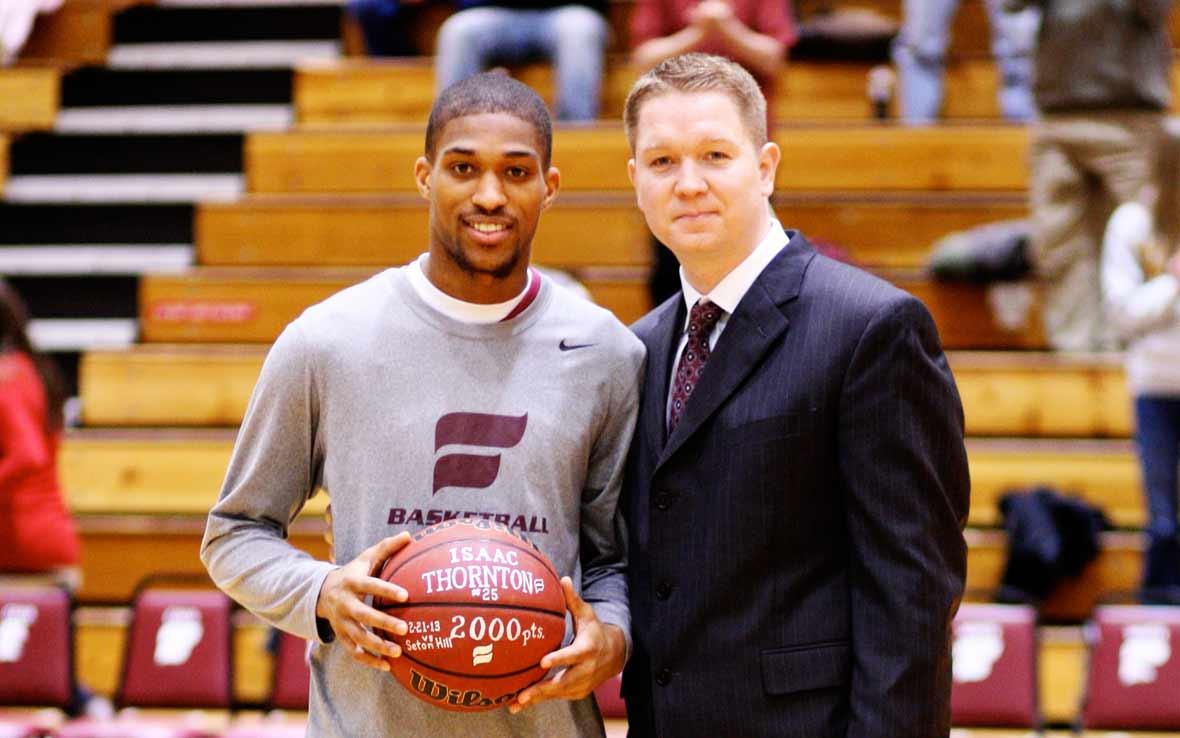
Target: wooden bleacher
point(31, 97)
point(881, 231)
point(196, 385)
point(360, 91)
point(79, 32)
point(1045, 395)
point(179, 472)
point(225, 304)
point(381, 230)
point(828, 158)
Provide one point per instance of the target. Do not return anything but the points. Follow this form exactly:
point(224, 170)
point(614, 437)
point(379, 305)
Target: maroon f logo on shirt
point(474, 471)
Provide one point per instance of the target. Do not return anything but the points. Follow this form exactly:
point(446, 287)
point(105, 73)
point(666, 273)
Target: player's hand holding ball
point(597, 653)
point(342, 604)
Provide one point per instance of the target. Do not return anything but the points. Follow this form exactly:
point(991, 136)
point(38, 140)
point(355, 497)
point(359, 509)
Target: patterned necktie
point(701, 321)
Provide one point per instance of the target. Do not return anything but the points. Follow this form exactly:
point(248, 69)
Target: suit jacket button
point(663, 590)
point(663, 677)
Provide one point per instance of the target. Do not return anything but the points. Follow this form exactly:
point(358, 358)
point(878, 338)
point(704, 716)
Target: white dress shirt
point(728, 293)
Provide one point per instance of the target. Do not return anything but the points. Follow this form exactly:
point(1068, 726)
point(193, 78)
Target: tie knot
point(703, 317)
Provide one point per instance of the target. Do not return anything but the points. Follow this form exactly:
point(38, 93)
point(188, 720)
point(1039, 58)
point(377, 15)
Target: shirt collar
point(734, 286)
point(464, 312)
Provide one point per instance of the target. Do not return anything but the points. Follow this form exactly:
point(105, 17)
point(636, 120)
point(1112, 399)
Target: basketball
point(484, 606)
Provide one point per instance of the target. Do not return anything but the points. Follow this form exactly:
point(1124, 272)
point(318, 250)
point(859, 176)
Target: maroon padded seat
point(36, 656)
point(1134, 676)
point(292, 676)
point(610, 703)
point(178, 655)
point(994, 677)
point(36, 646)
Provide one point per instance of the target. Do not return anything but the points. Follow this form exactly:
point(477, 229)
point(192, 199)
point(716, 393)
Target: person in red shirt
point(753, 33)
point(38, 534)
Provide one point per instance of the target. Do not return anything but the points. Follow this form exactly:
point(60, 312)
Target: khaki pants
point(1083, 166)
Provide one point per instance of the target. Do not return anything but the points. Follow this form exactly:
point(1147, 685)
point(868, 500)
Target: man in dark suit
point(798, 484)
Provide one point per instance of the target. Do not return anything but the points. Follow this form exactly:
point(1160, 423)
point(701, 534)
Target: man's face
point(699, 179)
point(487, 187)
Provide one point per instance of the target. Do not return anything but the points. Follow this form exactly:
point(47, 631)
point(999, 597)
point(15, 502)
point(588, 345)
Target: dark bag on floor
point(1050, 537)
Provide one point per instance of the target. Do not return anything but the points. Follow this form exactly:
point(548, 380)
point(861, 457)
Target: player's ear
point(552, 185)
point(422, 169)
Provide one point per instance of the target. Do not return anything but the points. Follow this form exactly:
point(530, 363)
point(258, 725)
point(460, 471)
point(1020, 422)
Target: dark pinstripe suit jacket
point(796, 548)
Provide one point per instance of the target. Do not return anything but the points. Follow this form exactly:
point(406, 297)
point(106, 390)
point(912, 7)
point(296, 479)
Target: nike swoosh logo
point(571, 346)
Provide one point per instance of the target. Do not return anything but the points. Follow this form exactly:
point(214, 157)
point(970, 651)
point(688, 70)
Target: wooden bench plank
point(1116, 572)
point(175, 385)
point(1044, 394)
point(379, 230)
point(239, 305)
point(1104, 473)
point(825, 159)
point(31, 98)
point(181, 472)
point(79, 32)
point(119, 551)
point(1002, 392)
point(149, 472)
point(224, 304)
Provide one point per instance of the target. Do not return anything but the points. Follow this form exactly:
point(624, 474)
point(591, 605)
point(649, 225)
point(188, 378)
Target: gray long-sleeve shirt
point(407, 417)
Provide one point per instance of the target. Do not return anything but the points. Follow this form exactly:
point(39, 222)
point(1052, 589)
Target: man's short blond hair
point(697, 72)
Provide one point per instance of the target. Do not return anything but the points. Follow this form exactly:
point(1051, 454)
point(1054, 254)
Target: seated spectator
point(16, 23)
point(384, 24)
point(1141, 285)
point(36, 528)
point(753, 33)
point(572, 35)
point(919, 51)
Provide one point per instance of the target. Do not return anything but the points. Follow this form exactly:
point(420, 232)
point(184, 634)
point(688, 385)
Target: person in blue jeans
point(1141, 285)
point(573, 35)
point(919, 52)
point(384, 25)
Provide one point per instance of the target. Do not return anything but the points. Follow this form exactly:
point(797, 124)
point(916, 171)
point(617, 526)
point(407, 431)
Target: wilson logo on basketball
point(471, 470)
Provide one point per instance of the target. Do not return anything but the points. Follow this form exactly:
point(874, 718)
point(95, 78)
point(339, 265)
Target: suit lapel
point(755, 327)
point(662, 345)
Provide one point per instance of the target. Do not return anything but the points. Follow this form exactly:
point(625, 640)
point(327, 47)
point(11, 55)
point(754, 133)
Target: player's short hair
point(491, 92)
point(698, 72)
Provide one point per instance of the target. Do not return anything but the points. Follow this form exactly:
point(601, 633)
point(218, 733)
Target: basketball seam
point(465, 675)
point(468, 605)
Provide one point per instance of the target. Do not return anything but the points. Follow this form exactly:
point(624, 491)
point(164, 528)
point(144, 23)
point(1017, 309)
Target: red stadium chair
point(178, 655)
point(1134, 676)
point(36, 655)
point(292, 676)
point(610, 703)
point(289, 690)
point(995, 677)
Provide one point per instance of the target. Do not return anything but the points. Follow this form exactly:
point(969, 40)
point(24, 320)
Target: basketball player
point(461, 385)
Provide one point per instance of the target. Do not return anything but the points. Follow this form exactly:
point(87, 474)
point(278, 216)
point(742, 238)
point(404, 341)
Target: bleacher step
point(209, 384)
point(178, 471)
